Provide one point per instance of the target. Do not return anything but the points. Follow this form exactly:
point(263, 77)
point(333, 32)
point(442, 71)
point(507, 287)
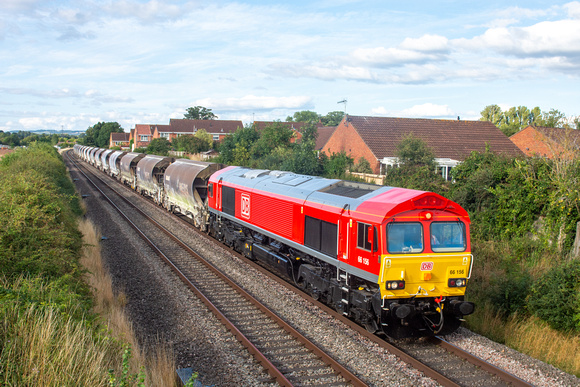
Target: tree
point(273, 136)
point(205, 138)
point(243, 137)
point(303, 116)
point(493, 114)
point(363, 166)
point(187, 143)
point(554, 118)
point(412, 150)
point(199, 113)
point(332, 118)
point(100, 133)
point(159, 146)
point(309, 133)
point(337, 164)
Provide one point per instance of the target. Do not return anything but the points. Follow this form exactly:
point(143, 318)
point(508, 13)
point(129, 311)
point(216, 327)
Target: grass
point(158, 360)
point(509, 326)
point(528, 335)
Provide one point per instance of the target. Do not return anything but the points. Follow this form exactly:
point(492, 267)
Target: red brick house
point(324, 134)
point(547, 142)
point(218, 129)
point(376, 139)
point(121, 140)
point(142, 135)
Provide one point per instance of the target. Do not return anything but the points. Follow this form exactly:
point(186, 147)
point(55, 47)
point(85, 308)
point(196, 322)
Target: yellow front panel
point(425, 275)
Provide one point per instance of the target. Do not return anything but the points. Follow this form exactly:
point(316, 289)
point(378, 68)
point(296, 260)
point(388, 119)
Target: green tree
point(493, 114)
point(243, 137)
point(554, 119)
point(337, 165)
point(417, 168)
point(188, 143)
point(309, 134)
point(332, 118)
point(303, 116)
point(412, 150)
point(273, 136)
point(159, 146)
point(205, 138)
point(363, 166)
point(199, 113)
point(99, 134)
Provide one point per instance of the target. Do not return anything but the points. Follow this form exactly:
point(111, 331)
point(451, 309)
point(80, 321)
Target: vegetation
point(330, 119)
point(50, 333)
point(275, 149)
point(26, 138)
point(199, 113)
point(515, 119)
point(99, 134)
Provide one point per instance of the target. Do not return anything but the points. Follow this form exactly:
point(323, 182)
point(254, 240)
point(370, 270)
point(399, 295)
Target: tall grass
point(45, 348)
point(529, 335)
point(158, 360)
point(534, 337)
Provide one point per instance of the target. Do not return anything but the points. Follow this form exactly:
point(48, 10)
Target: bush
point(508, 292)
point(554, 297)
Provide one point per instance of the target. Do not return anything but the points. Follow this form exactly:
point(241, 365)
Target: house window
point(144, 138)
point(165, 135)
point(216, 137)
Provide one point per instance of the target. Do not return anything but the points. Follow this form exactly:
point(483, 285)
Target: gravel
point(523, 366)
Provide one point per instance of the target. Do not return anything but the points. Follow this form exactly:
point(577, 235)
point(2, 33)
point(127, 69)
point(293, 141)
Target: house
point(547, 142)
point(376, 139)
point(218, 129)
point(324, 134)
point(142, 135)
point(121, 140)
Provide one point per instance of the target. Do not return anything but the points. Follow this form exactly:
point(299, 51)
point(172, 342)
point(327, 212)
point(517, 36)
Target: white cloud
point(424, 49)
point(573, 9)
point(547, 38)
point(252, 102)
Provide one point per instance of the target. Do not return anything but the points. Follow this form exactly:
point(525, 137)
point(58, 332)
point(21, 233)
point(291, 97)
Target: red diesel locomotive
point(395, 260)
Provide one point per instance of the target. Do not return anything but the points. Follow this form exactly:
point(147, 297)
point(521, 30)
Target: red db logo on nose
point(426, 266)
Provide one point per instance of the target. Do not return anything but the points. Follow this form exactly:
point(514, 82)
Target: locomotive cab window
point(363, 237)
point(404, 237)
point(210, 190)
point(448, 237)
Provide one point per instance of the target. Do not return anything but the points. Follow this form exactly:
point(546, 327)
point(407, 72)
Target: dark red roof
point(120, 137)
point(210, 126)
point(324, 133)
point(565, 137)
point(454, 139)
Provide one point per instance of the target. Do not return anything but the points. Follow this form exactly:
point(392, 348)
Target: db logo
point(245, 208)
point(426, 266)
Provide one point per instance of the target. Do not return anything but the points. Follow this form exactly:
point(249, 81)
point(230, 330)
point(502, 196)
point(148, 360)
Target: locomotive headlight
point(457, 282)
point(395, 285)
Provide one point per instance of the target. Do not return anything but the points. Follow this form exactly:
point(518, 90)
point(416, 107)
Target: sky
point(68, 65)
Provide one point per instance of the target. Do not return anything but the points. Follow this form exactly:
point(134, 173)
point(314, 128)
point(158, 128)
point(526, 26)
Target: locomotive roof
point(371, 202)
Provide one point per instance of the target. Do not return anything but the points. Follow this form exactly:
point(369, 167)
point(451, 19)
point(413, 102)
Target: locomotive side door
point(365, 249)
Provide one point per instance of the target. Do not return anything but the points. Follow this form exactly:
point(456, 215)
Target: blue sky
point(71, 64)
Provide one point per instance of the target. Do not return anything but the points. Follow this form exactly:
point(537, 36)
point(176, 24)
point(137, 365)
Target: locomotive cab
point(425, 268)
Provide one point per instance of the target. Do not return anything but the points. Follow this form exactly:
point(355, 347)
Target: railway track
point(286, 355)
point(448, 365)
